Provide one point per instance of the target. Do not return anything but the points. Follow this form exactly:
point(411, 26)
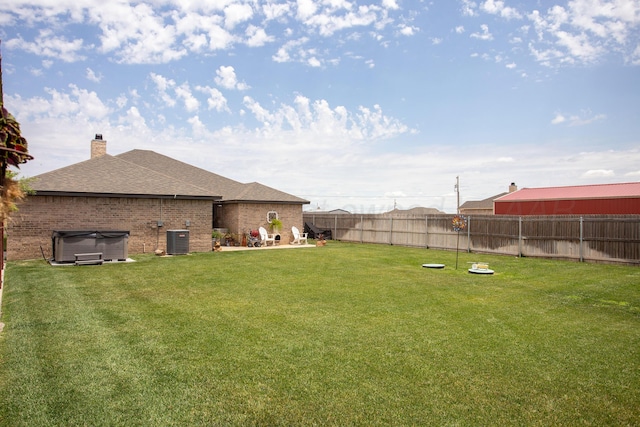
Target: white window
point(271, 215)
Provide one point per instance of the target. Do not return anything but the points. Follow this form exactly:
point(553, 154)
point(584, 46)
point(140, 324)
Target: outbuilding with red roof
point(601, 199)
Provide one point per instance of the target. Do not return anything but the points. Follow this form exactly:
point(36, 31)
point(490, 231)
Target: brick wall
point(30, 228)
point(241, 217)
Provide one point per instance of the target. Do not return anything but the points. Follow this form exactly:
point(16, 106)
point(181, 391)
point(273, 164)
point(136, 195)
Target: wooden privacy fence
point(584, 238)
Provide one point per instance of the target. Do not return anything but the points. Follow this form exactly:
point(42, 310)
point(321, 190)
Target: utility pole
point(457, 187)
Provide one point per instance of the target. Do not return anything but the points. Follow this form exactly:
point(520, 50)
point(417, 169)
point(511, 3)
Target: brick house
point(145, 193)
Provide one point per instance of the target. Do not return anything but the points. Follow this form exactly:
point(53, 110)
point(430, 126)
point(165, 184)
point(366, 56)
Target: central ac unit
point(177, 242)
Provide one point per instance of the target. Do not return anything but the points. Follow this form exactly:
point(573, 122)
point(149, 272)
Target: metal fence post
point(469, 234)
point(519, 237)
point(581, 238)
point(426, 231)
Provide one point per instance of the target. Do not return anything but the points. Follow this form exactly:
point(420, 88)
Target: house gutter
point(128, 195)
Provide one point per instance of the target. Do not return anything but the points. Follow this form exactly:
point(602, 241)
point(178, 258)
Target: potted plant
point(216, 235)
point(276, 225)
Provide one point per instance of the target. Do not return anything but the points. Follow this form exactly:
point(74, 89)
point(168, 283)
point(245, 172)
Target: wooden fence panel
point(608, 238)
point(552, 237)
point(591, 238)
point(440, 234)
point(492, 234)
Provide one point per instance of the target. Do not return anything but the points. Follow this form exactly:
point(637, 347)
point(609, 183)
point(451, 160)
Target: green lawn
point(345, 335)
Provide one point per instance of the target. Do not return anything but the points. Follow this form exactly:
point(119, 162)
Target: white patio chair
point(266, 238)
point(298, 237)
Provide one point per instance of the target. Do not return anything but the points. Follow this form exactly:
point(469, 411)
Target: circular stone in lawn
point(433, 265)
point(480, 271)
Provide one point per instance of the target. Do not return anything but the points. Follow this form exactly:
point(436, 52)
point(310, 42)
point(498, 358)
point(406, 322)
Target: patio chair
point(298, 237)
point(265, 237)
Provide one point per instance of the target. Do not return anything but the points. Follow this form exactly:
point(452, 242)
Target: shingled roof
point(108, 175)
point(481, 204)
point(145, 173)
point(230, 190)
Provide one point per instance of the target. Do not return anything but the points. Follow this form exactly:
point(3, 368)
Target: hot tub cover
point(89, 233)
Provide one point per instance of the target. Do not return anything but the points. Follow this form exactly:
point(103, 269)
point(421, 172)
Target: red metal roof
point(600, 191)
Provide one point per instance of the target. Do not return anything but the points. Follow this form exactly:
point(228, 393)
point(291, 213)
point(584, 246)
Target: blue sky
point(359, 105)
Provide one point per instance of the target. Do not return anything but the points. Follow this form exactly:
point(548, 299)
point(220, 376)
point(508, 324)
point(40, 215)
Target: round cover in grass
point(480, 271)
point(433, 265)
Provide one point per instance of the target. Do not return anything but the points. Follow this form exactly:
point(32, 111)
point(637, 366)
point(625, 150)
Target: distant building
point(339, 212)
point(332, 212)
point(418, 211)
point(484, 207)
point(602, 199)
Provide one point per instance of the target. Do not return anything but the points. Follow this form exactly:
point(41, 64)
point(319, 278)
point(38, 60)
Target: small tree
point(13, 152)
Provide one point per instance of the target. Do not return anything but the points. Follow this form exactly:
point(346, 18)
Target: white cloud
point(390, 4)
point(305, 9)
point(328, 23)
point(469, 8)
point(634, 58)
point(314, 62)
point(274, 11)
point(199, 128)
point(484, 35)
point(237, 13)
point(459, 29)
point(257, 36)
point(579, 46)
point(331, 126)
point(293, 51)
point(284, 53)
point(584, 118)
point(92, 76)
point(584, 31)
point(49, 45)
point(598, 173)
point(121, 101)
point(559, 118)
point(190, 102)
point(407, 30)
point(226, 77)
point(163, 85)
point(549, 57)
point(497, 7)
point(216, 100)
point(136, 34)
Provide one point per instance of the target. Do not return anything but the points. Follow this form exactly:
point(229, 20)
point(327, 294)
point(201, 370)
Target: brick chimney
point(513, 187)
point(98, 146)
